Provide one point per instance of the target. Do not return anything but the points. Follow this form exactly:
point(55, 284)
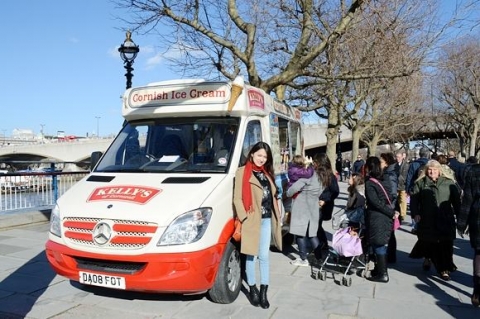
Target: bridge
point(80, 150)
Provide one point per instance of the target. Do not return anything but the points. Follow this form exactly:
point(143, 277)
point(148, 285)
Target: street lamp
point(128, 52)
point(339, 144)
point(98, 126)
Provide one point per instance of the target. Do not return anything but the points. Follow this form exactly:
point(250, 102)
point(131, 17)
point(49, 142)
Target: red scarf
point(246, 187)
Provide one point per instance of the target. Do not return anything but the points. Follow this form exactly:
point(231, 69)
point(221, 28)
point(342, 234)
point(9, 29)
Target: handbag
point(396, 221)
point(237, 233)
point(346, 244)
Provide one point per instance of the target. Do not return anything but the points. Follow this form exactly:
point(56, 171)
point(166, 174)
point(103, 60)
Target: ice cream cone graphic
point(237, 88)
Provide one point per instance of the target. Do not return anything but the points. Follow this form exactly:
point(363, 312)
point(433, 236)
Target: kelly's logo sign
point(136, 194)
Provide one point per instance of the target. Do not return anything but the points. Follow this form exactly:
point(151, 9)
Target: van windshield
point(190, 145)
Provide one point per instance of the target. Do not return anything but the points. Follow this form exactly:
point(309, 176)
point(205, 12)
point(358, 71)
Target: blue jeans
point(379, 250)
point(302, 245)
point(263, 256)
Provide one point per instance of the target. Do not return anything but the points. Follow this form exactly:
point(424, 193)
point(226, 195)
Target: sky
point(61, 70)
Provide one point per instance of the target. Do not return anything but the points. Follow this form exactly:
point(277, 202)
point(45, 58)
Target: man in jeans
point(402, 169)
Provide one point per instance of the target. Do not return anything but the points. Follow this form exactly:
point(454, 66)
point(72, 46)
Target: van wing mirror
point(94, 158)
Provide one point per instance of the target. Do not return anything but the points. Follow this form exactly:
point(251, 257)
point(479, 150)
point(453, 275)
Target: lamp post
point(339, 161)
point(98, 125)
point(41, 131)
point(128, 52)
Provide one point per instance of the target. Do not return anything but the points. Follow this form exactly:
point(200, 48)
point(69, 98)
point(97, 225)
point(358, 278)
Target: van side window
point(252, 136)
point(295, 139)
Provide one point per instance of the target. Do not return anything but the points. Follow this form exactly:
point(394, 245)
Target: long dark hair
point(389, 158)
point(373, 167)
point(269, 163)
point(357, 180)
point(323, 168)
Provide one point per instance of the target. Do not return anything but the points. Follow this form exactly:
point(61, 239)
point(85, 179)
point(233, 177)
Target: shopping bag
point(346, 244)
point(396, 223)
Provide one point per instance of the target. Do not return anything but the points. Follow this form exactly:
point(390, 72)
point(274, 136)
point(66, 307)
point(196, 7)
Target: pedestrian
point(298, 168)
point(388, 164)
point(330, 192)
point(339, 167)
point(457, 167)
point(435, 202)
point(305, 215)
point(402, 169)
point(468, 221)
point(358, 164)
point(413, 173)
point(257, 208)
point(379, 217)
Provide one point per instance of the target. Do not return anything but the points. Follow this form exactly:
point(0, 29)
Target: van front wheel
point(229, 277)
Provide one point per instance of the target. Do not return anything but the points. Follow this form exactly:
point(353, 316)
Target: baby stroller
point(346, 253)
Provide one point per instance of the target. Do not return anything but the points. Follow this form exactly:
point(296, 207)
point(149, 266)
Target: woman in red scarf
point(257, 208)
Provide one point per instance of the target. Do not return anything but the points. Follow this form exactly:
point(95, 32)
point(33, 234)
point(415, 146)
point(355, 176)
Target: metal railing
point(35, 190)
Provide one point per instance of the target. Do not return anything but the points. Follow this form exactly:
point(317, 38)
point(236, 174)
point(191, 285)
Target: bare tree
point(309, 52)
point(459, 83)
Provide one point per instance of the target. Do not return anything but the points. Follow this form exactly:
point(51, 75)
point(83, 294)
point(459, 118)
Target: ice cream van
point(155, 214)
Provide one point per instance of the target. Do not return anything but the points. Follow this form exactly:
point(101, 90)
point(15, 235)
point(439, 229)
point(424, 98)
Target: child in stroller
point(347, 244)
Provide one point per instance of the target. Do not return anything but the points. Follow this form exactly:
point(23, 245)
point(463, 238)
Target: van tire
point(228, 281)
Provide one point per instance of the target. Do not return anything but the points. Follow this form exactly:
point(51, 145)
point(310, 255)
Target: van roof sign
point(180, 94)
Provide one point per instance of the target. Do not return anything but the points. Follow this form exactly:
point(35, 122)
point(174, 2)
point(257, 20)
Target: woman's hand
point(321, 203)
point(395, 216)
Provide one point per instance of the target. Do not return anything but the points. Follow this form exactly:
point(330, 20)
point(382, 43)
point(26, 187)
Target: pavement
point(30, 289)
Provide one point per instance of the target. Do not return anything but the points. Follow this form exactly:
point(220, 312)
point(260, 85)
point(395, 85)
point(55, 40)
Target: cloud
point(154, 61)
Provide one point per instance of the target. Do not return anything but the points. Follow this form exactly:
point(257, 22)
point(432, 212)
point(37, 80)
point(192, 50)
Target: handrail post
point(54, 183)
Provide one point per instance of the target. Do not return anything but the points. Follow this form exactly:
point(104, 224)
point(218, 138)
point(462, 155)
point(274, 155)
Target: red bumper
point(191, 272)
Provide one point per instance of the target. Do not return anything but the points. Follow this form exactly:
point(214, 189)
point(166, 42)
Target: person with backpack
point(414, 170)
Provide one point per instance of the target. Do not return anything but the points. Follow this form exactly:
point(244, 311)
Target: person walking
point(305, 215)
point(402, 170)
point(379, 217)
point(257, 208)
point(468, 220)
point(435, 202)
point(330, 192)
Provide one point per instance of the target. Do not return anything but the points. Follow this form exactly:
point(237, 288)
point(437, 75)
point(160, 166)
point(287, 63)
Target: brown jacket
point(251, 225)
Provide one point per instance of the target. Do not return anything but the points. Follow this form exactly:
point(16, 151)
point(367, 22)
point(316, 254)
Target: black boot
point(381, 275)
point(254, 296)
point(263, 297)
point(476, 291)
point(392, 249)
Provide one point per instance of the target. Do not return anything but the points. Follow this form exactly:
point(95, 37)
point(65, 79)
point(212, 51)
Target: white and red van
point(155, 214)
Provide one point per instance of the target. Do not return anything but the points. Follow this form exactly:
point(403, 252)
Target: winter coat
point(402, 170)
point(379, 214)
point(251, 225)
point(391, 177)
point(470, 209)
point(437, 203)
point(328, 195)
point(357, 166)
point(305, 214)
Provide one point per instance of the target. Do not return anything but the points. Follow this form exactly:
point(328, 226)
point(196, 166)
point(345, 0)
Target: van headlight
point(187, 228)
point(55, 222)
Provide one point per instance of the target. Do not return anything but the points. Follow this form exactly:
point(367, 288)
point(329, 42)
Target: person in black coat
point(388, 164)
point(469, 219)
point(326, 201)
point(379, 217)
